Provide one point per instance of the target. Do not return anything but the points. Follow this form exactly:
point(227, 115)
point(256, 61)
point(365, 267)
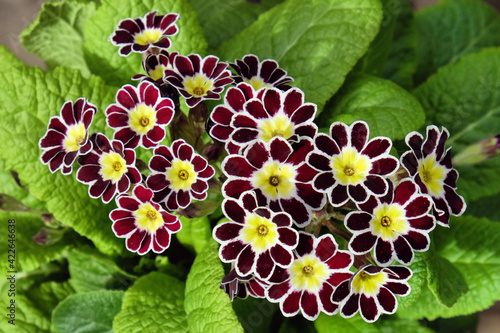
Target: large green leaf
point(318, 42)
point(195, 233)
point(207, 306)
point(222, 19)
point(471, 245)
point(388, 109)
point(27, 101)
point(103, 58)
point(417, 282)
point(153, 304)
point(87, 312)
point(465, 98)
point(451, 29)
point(57, 34)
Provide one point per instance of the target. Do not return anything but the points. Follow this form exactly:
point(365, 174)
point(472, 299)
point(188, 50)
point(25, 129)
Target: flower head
point(309, 283)
point(140, 115)
point(371, 291)
point(197, 79)
point(394, 225)
point(277, 172)
point(350, 166)
point(154, 65)
point(259, 74)
point(109, 168)
point(178, 175)
point(142, 33)
point(256, 239)
point(144, 224)
point(429, 164)
point(241, 286)
point(67, 136)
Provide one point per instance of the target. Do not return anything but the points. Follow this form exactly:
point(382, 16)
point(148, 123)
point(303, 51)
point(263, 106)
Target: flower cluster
point(281, 180)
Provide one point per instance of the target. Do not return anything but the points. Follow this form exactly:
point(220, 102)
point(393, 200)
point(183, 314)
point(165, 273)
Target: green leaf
point(451, 29)
point(418, 282)
point(222, 19)
point(388, 109)
point(103, 57)
point(57, 34)
point(471, 245)
point(464, 97)
point(317, 42)
point(27, 101)
point(444, 280)
point(153, 304)
point(87, 312)
point(255, 314)
point(485, 207)
point(195, 233)
point(91, 271)
point(207, 306)
point(8, 59)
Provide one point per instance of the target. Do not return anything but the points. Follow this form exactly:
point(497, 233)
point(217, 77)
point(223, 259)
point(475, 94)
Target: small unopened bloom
point(479, 152)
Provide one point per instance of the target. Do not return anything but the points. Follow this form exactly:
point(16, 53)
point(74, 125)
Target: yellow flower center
point(389, 222)
point(276, 180)
point(257, 83)
point(279, 125)
point(113, 166)
point(181, 175)
point(364, 283)
point(350, 167)
point(433, 175)
point(308, 273)
point(75, 135)
point(142, 118)
point(148, 218)
point(259, 232)
point(157, 73)
point(148, 36)
point(197, 85)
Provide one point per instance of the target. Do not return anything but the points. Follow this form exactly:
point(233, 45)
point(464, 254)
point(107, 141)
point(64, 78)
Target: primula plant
point(259, 166)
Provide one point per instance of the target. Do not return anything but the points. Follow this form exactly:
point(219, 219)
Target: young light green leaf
point(195, 233)
point(451, 29)
point(471, 245)
point(212, 312)
point(57, 34)
point(103, 57)
point(316, 42)
point(418, 282)
point(388, 109)
point(465, 98)
point(87, 312)
point(8, 59)
point(222, 19)
point(153, 304)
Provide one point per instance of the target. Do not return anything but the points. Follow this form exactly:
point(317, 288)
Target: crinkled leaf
point(90, 271)
point(317, 42)
point(451, 29)
point(87, 312)
point(195, 233)
point(103, 57)
point(465, 98)
point(27, 101)
point(57, 34)
point(153, 304)
point(255, 314)
point(207, 306)
point(222, 19)
point(471, 245)
point(388, 109)
point(418, 282)
point(485, 207)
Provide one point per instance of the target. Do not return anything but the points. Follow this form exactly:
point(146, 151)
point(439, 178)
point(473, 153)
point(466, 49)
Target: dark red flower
point(241, 286)
point(371, 291)
point(142, 222)
point(154, 65)
point(67, 136)
point(109, 168)
point(394, 225)
point(429, 164)
point(140, 115)
point(259, 75)
point(178, 175)
point(350, 166)
point(308, 285)
point(277, 171)
point(197, 79)
point(256, 239)
point(142, 33)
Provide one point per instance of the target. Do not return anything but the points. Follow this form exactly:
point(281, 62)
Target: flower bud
point(479, 152)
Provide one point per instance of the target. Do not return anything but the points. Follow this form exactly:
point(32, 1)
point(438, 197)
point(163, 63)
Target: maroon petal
point(157, 182)
point(325, 295)
point(135, 240)
point(340, 260)
point(325, 247)
point(319, 162)
point(245, 261)
point(398, 288)
point(293, 100)
point(145, 244)
point(199, 186)
point(238, 166)
point(376, 184)
point(338, 132)
point(419, 206)
point(369, 310)
point(291, 304)
point(362, 243)
point(404, 191)
point(357, 221)
point(357, 193)
point(377, 146)
point(309, 305)
point(124, 226)
point(384, 252)
point(455, 202)
point(341, 292)
point(301, 216)
point(234, 188)
point(384, 166)
point(324, 181)
point(244, 135)
point(305, 113)
point(359, 135)
point(403, 250)
point(338, 195)
point(230, 251)
point(233, 210)
point(277, 291)
point(426, 222)
point(311, 197)
point(288, 236)
point(418, 241)
point(88, 173)
point(281, 256)
point(280, 149)
point(163, 237)
point(306, 244)
point(257, 155)
point(387, 300)
point(183, 198)
point(109, 193)
point(184, 66)
point(430, 143)
point(351, 306)
point(410, 162)
point(327, 145)
point(242, 120)
point(227, 231)
point(52, 139)
point(256, 109)
point(265, 265)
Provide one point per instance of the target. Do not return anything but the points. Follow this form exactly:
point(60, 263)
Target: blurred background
point(16, 15)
